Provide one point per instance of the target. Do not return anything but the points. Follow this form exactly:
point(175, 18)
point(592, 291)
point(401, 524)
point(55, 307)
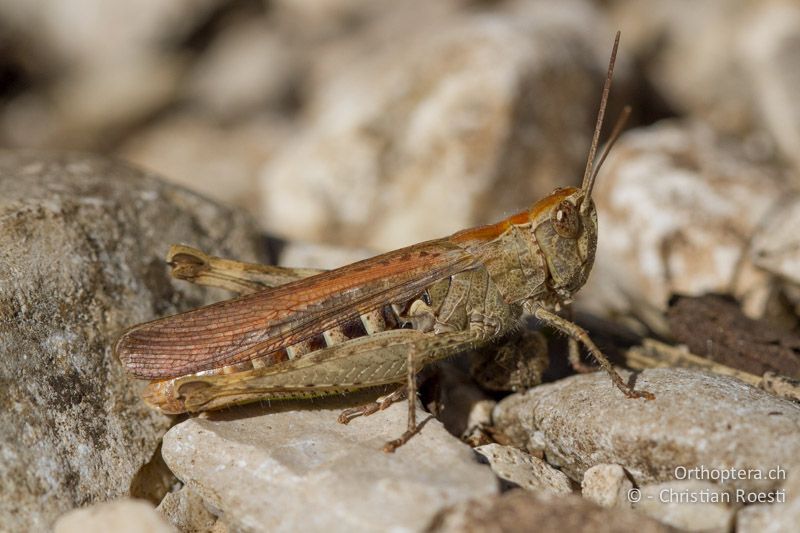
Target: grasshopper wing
point(257, 324)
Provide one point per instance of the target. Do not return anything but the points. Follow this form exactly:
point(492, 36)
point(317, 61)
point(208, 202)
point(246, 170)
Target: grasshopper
point(377, 321)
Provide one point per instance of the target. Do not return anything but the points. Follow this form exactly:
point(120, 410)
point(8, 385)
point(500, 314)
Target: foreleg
point(580, 335)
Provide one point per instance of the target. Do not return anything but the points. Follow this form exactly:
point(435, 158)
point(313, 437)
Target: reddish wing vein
point(256, 324)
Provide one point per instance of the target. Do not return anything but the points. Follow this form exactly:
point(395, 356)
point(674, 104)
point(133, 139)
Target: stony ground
point(313, 134)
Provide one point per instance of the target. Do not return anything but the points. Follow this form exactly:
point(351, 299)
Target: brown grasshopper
point(377, 321)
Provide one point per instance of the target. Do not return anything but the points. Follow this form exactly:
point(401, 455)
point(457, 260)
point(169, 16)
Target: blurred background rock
point(379, 124)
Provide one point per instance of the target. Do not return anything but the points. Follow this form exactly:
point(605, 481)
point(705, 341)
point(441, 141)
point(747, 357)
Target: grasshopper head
point(565, 227)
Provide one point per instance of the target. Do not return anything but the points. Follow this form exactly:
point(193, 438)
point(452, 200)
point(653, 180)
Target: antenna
point(589, 175)
point(621, 121)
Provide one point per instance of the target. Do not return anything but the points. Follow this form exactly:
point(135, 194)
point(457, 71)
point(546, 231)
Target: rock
point(249, 66)
point(322, 20)
point(691, 53)
point(184, 509)
point(109, 32)
point(293, 467)
point(95, 68)
point(153, 480)
point(775, 246)
point(690, 505)
point(456, 401)
point(700, 426)
point(606, 485)
point(479, 423)
point(219, 162)
point(91, 105)
point(782, 515)
point(82, 240)
point(769, 55)
point(524, 470)
point(123, 516)
point(695, 203)
point(520, 511)
point(446, 122)
point(322, 256)
point(727, 63)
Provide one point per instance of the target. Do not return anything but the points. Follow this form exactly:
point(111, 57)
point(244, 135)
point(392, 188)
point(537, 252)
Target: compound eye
point(565, 220)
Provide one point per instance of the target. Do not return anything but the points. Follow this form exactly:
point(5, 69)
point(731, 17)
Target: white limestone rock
point(528, 472)
point(293, 467)
point(697, 421)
